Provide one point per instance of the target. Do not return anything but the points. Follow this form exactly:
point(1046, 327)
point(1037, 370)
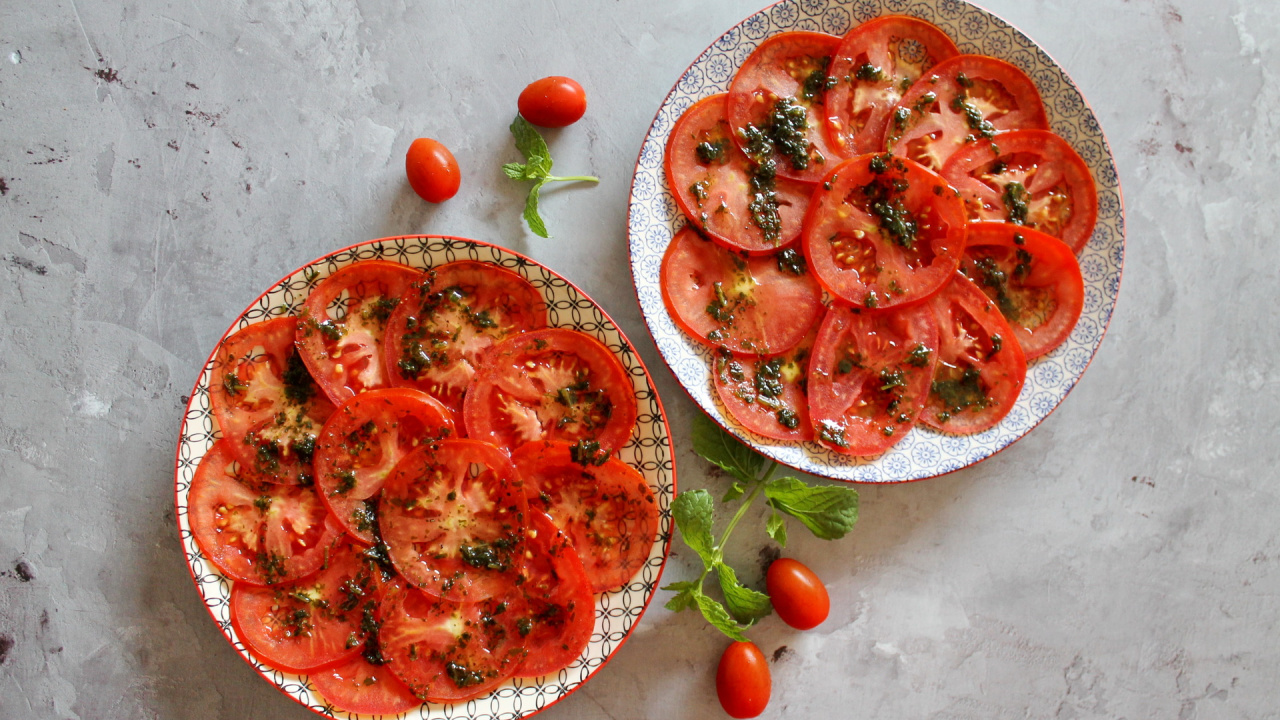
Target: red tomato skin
point(355, 686)
point(798, 596)
point(553, 102)
point(432, 171)
point(742, 680)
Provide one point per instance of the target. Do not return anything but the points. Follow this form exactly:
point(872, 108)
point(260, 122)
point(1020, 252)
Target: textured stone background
point(163, 162)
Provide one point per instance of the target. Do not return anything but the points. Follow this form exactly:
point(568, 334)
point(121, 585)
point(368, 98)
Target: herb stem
point(573, 178)
point(742, 509)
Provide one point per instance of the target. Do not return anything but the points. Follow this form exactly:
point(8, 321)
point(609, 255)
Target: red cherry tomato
point(742, 680)
point(553, 102)
point(432, 171)
point(799, 597)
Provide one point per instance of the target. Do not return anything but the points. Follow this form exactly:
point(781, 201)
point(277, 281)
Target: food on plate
point(798, 596)
point(432, 170)
point(559, 609)
point(1033, 278)
point(359, 686)
point(743, 683)
point(912, 162)
point(553, 102)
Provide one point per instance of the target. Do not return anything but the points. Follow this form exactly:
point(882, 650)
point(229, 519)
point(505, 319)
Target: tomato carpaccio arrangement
point(880, 231)
point(415, 489)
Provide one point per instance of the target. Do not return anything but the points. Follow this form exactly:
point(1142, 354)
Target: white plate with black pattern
point(648, 451)
point(923, 453)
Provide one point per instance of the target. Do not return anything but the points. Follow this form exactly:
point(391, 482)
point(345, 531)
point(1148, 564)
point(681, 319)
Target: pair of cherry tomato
point(550, 102)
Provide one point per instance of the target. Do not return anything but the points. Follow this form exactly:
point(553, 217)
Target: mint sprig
point(537, 168)
point(829, 511)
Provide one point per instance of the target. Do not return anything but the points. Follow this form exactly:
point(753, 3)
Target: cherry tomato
point(742, 680)
point(432, 171)
point(554, 102)
point(799, 597)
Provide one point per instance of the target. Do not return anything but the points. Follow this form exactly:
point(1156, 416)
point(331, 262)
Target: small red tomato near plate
point(432, 171)
point(798, 596)
point(553, 102)
point(742, 680)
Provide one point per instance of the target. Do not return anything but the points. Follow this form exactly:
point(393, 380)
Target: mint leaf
point(537, 168)
point(530, 143)
point(828, 511)
point(516, 171)
point(776, 526)
point(694, 511)
point(734, 492)
point(746, 605)
point(684, 595)
point(723, 450)
point(715, 614)
point(531, 215)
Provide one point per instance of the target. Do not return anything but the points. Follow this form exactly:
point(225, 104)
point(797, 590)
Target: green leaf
point(531, 215)
point(734, 492)
point(776, 526)
point(723, 450)
point(684, 597)
point(530, 143)
point(515, 171)
point(829, 511)
point(745, 604)
point(694, 512)
point(715, 614)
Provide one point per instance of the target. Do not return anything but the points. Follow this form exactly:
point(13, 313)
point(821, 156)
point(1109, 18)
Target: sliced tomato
point(453, 516)
point(875, 64)
point(756, 305)
point(554, 384)
point(267, 406)
point(449, 652)
point(1033, 278)
point(360, 687)
point(258, 533)
point(965, 100)
point(603, 504)
point(767, 395)
point(446, 322)
point(560, 610)
point(308, 623)
point(722, 192)
point(361, 444)
point(1028, 177)
point(340, 336)
point(981, 366)
point(775, 104)
point(884, 231)
point(869, 376)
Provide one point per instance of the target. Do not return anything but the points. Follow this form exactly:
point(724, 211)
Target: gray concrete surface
point(162, 162)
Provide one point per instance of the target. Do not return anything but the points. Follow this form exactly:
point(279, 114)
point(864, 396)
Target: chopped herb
point(787, 418)
point(817, 84)
point(919, 356)
point(713, 152)
point(829, 432)
point(870, 73)
point(346, 481)
point(231, 383)
point(587, 452)
point(790, 261)
point(961, 392)
point(1015, 199)
point(997, 343)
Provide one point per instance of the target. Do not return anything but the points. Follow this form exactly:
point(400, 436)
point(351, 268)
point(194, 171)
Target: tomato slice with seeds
point(606, 507)
point(767, 395)
point(884, 231)
point(437, 336)
point(560, 610)
point(308, 623)
point(874, 65)
point(869, 376)
point(340, 335)
point(1033, 278)
point(453, 516)
point(965, 100)
point(757, 305)
point(1032, 178)
point(361, 444)
point(449, 652)
point(267, 406)
point(257, 533)
point(981, 366)
point(776, 104)
point(553, 384)
point(360, 687)
point(722, 192)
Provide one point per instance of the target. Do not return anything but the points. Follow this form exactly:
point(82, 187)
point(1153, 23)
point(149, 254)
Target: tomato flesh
point(357, 686)
point(743, 683)
point(981, 366)
point(446, 323)
point(604, 505)
point(869, 377)
point(361, 444)
point(1033, 278)
point(767, 395)
point(798, 596)
point(560, 608)
point(884, 231)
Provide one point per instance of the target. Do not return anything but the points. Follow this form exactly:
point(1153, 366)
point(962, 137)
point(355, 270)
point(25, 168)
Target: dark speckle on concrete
point(25, 264)
point(781, 653)
point(1183, 148)
point(6, 644)
point(173, 145)
point(23, 571)
point(192, 85)
point(4, 187)
point(108, 75)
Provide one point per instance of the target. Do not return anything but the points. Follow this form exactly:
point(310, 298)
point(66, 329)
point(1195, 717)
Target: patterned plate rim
point(642, 382)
